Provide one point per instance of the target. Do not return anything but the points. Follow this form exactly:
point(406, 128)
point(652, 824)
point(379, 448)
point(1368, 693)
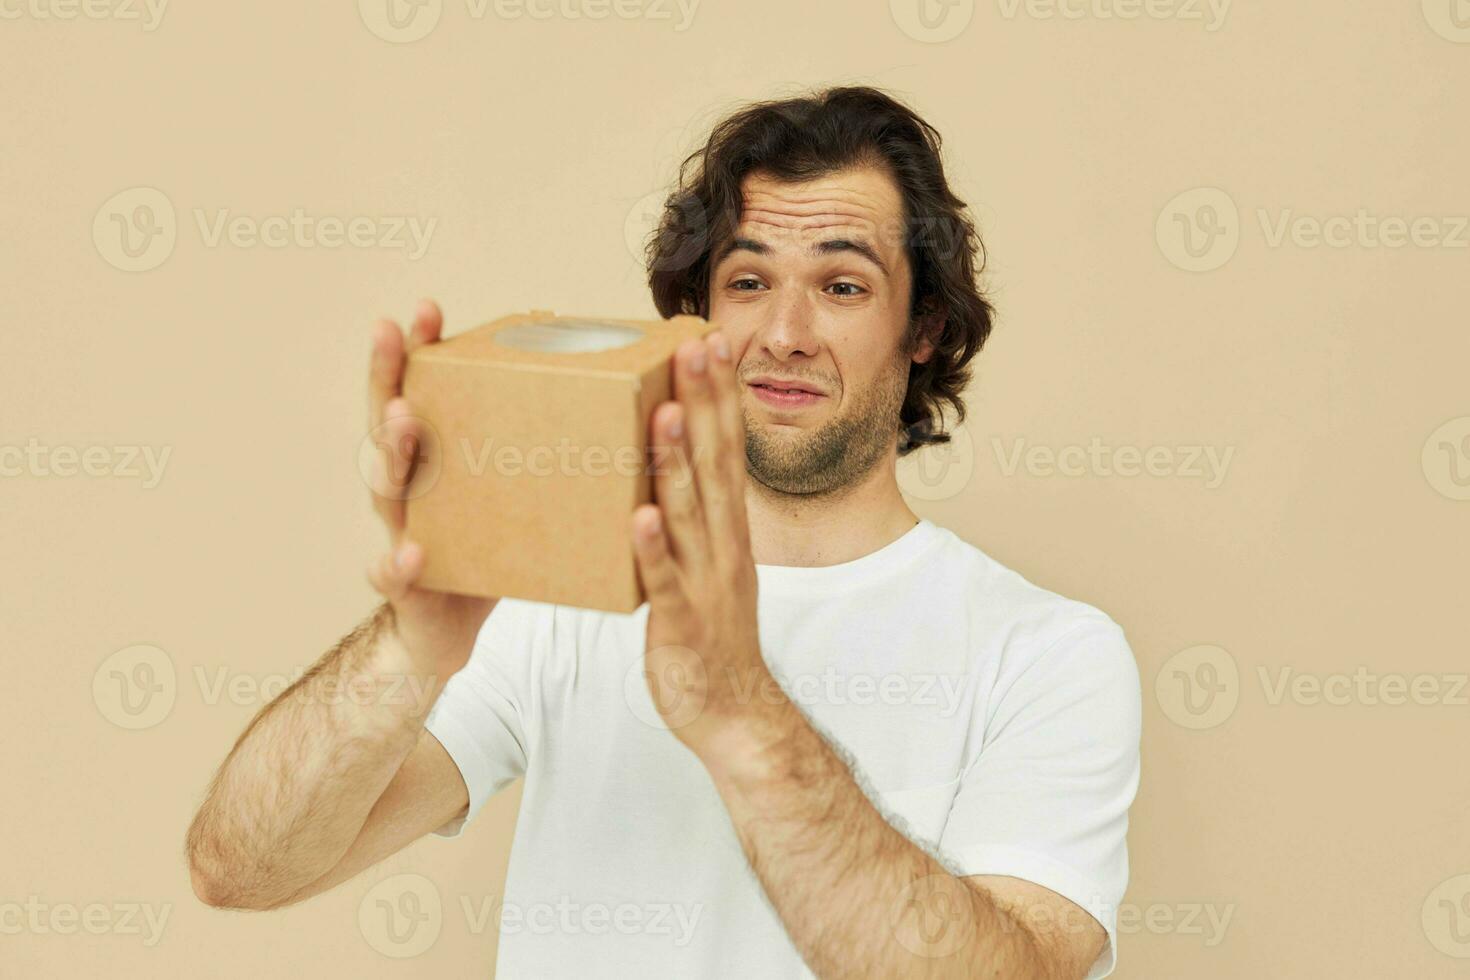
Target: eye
point(746, 284)
point(855, 289)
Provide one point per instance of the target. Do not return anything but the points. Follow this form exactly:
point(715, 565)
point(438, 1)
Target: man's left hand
point(702, 661)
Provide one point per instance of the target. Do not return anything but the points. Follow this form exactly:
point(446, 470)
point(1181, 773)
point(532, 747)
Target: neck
point(828, 529)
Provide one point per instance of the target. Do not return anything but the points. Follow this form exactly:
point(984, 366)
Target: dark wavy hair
point(803, 138)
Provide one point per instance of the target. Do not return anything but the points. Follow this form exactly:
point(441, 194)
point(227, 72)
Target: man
point(837, 740)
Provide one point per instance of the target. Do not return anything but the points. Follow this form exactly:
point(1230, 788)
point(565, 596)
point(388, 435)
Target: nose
point(788, 331)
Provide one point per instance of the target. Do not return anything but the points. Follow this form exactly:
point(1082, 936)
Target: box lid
point(580, 345)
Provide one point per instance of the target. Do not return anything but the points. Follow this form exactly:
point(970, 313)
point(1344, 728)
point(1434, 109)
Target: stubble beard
point(835, 456)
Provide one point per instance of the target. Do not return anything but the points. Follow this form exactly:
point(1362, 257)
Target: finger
point(731, 423)
point(696, 384)
point(394, 573)
point(673, 485)
point(656, 566)
point(728, 402)
point(428, 324)
point(385, 372)
point(400, 446)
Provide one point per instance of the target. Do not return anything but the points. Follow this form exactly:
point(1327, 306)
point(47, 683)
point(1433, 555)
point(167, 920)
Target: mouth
point(779, 393)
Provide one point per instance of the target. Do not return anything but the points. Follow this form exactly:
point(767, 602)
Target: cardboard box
point(537, 453)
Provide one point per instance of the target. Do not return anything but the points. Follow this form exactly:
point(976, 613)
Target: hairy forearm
point(298, 785)
point(857, 897)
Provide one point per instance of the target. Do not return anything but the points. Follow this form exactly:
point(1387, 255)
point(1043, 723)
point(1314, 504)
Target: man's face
point(813, 294)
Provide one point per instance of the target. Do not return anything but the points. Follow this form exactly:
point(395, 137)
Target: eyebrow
point(829, 247)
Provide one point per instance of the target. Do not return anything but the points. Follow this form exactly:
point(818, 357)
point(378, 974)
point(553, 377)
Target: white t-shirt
point(993, 722)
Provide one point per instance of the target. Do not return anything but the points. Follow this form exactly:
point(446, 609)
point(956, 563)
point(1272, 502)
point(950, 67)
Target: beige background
point(1334, 542)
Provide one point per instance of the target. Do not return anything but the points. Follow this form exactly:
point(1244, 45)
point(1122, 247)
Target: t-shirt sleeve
point(1047, 798)
point(487, 711)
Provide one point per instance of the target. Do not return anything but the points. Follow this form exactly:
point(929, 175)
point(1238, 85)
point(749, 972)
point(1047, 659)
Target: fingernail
point(697, 361)
point(722, 347)
point(676, 427)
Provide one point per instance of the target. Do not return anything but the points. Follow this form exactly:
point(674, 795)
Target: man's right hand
point(321, 786)
point(437, 629)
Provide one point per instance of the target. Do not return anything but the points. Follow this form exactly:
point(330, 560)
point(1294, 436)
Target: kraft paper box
point(536, 454)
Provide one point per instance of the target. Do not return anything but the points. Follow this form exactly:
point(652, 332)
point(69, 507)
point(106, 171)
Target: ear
point(930, 328)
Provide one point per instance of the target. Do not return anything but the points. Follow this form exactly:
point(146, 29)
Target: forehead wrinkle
point(815, 217)
point(816, 207)
point(808, 233)
point(778, 219)
point(808, 195)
